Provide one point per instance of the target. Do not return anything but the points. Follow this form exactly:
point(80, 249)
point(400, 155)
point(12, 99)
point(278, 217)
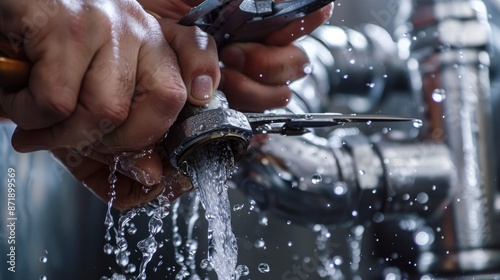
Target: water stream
point(210, 169)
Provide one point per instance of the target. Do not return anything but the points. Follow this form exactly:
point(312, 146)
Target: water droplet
point(108, 249)
point(290, 243)
point(242, 270)
point(378, 217)
point(422, 198)
point(155, 225)
point(265, 128)
point(361, 172)
point(424, 237)
point(130, 268)
point(340, 188)
point(316, 179)
point(43, 259)
point(417, 123)
point(369, 122)
point(43, 277)
point(263, 221)
point(439, 95)
point(264, 268)
point(370, 85)
point(204, 264)
point(352, 61)
point(259, 244)
point(345, 76)
point(238, 207)
point(337, 260)
point(132, 230)
point(122, 258)
point(177, 239)
point(308, 69)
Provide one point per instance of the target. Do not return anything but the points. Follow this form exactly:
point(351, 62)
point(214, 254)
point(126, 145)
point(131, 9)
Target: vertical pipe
point(449, 41)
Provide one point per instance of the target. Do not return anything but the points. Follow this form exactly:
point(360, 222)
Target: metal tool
point(298, 124)
point(247, 20)
point(198, 126)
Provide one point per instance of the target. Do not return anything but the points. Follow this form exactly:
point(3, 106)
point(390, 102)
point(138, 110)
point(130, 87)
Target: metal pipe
point(449, 43)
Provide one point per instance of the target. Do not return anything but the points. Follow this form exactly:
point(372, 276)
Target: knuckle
point(60, 103)
point(173, 94)
point(117, 110)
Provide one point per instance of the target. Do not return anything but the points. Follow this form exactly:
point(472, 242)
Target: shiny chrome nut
point(198, 126)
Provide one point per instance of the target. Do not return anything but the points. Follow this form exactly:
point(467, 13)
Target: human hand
point(256, 75)
point(104, 80)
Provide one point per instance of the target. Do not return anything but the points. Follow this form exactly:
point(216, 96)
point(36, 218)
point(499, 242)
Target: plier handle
point(298, 124)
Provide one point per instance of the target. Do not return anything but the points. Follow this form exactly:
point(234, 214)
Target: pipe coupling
point(199, 126)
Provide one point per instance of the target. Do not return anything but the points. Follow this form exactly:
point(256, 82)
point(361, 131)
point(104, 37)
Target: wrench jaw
point(247, 20)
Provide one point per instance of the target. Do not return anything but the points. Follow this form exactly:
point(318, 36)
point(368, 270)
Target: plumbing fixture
point(215, 121)
point(442, 175)
point(453, 59)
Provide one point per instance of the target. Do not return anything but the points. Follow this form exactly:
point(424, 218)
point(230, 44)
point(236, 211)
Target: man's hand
point(106, 77)
point(256, 75)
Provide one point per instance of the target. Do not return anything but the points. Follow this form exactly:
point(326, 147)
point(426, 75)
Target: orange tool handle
point(14, 74)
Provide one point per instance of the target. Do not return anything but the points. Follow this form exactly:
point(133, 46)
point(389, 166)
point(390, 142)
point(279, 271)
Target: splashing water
point(108, 220)
point(209, 170)
point(187, 259)
point(149, 245)
point(330, 264)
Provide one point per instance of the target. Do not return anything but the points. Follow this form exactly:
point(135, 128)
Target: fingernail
point(142, 176)
point(233, 57)
point(202, 87)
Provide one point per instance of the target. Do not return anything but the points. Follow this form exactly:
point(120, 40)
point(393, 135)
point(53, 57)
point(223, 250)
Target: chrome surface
point(440, 183)
point(454, 66)
point(198, 126)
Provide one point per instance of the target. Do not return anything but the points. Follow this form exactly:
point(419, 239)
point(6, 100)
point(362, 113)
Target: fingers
point(103, 104)
point(265, 64)
point(160, 95)
point(244, 94)
point(54, 84)
point(94, 175)
point(129, 193)
point(198, 60)
point(299, 27)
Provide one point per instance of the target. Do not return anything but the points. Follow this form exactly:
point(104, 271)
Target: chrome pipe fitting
point(346, 179)
point(199, 126)
point(450, 42)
